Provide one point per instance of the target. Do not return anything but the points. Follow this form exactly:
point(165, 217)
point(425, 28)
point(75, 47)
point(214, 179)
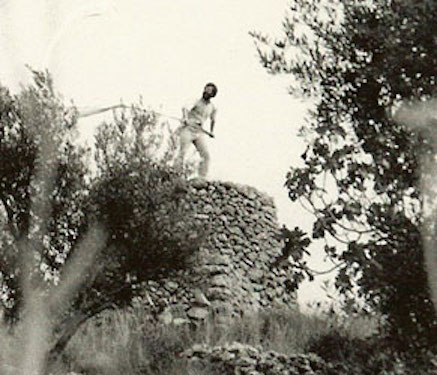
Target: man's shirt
point(200, 112)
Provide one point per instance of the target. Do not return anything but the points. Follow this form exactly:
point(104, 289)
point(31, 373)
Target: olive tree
point(75, 242)
point(363, 172)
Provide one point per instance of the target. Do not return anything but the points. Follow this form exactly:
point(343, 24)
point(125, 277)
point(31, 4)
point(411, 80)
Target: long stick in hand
point(92, 112)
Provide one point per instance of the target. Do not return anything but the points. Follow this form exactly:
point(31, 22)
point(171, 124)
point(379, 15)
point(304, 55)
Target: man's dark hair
point(210, 84)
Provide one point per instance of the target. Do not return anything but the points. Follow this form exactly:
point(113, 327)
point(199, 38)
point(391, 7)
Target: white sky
point(165, 51)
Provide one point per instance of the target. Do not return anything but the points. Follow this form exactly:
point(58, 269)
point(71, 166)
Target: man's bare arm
point(184, 114)
point(212, 121)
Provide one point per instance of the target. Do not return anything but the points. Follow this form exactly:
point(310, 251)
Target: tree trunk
point(70, 326)
point(431, 267)
point(68, 331)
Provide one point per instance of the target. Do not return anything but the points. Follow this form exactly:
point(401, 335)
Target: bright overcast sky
point(101, 52)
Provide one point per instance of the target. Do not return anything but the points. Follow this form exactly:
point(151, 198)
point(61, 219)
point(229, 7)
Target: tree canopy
point(74, 242)
point(363, 171)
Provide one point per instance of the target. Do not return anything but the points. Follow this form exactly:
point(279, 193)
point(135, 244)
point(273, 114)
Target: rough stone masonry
point(234, 270)
point(243, 359)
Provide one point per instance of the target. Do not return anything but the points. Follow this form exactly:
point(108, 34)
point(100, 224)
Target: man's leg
point(201, 147)
point(185, 139)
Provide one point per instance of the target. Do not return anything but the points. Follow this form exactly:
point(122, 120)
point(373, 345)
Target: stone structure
point(237, 358)
point(234, 269)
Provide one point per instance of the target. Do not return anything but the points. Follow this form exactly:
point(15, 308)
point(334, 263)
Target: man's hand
point(208, 133)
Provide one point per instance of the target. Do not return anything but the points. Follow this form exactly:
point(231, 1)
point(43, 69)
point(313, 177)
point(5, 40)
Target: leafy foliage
point(292, 257)
point(33, 121)
point(139, 200)
point(79, 242)
point(359, 61)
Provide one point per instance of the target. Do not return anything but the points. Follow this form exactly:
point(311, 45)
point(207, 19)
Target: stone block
point(220, 281)
point(171, 286)
point(248, 262)
point(180, 321)
point(255, 275)
point(222, 237)
point(216, 293)
point(198, 313)
point(252, 256)
point(216, 269)
point(216, 259)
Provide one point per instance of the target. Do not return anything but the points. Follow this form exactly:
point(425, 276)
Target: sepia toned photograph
point(217, 187)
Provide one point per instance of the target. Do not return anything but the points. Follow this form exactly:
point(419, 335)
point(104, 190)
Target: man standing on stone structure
point(192, 131)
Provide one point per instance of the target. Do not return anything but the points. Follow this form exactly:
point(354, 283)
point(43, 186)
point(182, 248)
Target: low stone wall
point(244, 359)
point(234, 270)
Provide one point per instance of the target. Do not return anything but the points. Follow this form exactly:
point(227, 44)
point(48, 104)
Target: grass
point(128, 342)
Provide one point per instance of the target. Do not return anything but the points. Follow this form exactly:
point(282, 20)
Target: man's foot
point(196, 178)
point(197, 181)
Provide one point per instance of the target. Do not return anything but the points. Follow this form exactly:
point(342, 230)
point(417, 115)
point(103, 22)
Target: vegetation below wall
point(268, 342)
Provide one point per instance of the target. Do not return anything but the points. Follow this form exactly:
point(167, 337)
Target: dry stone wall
point(234, 267)
point(243, 359)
